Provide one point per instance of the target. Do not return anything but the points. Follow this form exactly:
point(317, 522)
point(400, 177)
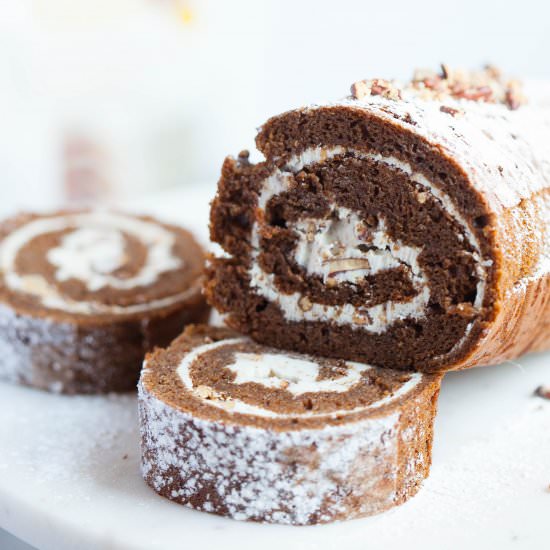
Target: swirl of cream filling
point(91, 252)
point(296, 374)
point(331, 248)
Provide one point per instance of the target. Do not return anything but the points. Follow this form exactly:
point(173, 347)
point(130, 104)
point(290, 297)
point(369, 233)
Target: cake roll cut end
point(397, 221)
point(255, 433)
point(345, 244)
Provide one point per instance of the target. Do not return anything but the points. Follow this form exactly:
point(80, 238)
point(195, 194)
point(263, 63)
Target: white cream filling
point(297, 375)
point(91, 253)
point(324, 246)
point(332, 248)
point(372, 319)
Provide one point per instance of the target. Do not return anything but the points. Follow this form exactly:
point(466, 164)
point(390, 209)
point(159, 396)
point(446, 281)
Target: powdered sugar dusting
point(344, 465)
point(20, 336)
point(295, 477)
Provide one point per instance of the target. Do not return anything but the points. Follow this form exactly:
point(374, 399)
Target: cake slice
point(84, 295)
point(239, 429)
point(406, 226)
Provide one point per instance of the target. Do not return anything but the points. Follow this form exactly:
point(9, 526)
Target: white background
point(167, 88)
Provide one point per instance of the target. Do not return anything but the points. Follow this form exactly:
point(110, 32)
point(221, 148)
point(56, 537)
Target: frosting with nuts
point(339, 248)
point(485, 86)
point(255, 382)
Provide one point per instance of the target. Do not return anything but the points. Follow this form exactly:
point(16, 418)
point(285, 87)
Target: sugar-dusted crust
point(215, 452)
point(451, 193)
point(64, 325)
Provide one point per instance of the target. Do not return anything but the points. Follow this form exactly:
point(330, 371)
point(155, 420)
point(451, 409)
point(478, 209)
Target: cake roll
point(84, 295)
point(239, 429)
point(405, 226)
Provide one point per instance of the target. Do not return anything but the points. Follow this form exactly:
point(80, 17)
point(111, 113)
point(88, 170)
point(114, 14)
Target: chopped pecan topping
point(485, 86)
point(310, 232)
point(514, 97)
point(493, 72)
point(377, 86)
point(445, 71)
point(243, 157)
point(205, 392)
point(331, 282)
point(364, 232)
point(450, 110)
point(543, 391)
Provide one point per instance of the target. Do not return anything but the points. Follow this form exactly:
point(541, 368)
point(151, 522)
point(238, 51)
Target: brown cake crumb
point(244, 156)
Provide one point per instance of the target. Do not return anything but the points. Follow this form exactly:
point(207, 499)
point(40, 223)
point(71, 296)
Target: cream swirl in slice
point(340, 249)
point(277, 376)
point(91, 249)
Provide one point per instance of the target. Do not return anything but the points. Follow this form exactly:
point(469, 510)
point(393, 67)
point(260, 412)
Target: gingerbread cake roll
point(84, 295)
point(239, 429)
point(405, 226)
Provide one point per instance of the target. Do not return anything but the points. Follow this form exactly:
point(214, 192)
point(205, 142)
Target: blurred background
point(113, 101)
point(106, 100)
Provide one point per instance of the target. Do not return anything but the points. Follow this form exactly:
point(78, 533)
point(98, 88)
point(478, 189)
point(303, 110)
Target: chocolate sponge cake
point(84, 295)
point(255, 433)
point(406, 226)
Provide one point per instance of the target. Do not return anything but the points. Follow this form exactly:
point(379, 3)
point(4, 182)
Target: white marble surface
point(69, 476)
point(9, 542)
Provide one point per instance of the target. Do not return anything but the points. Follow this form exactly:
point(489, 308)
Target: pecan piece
point(205, 392)
point(377, 86)
point(465, 310)
point(450, 110)
point(304, 303)
point(343, 265)
point(543, 391)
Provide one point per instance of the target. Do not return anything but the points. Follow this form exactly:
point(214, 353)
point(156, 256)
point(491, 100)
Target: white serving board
point(69, 467)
